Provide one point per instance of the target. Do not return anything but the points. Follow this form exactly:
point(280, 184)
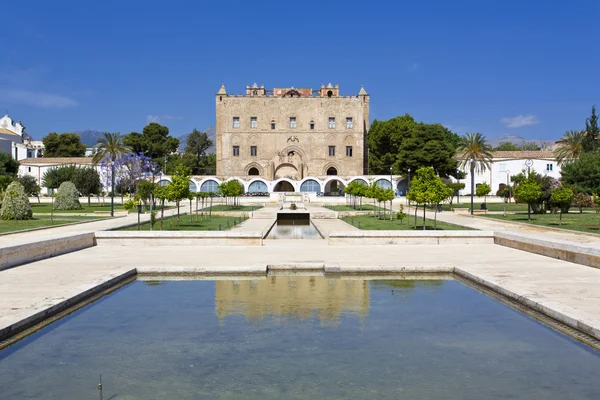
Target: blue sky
point(524, 67)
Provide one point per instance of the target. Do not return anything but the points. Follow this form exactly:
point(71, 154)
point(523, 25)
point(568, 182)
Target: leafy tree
point(8, 166)
point(531, 146)
point(592, 132)
point(403, 143)
point(154, 141)
point(55, 176)
point(561, 197)
point(111, 145)
point(63, 145)
point(144, 191)
point(162, 194)
point(179, 188)
point(507, 146)
point(456, 187)
point(87, 182)
point(428, 189)
point(581, 200)
point(570, 147)
point(583, 174)
point(483, 190)
point(68, 198)
point(528, 192)
point(196, 145)
point(30, 186)
point(231, 189)
point(15, 204)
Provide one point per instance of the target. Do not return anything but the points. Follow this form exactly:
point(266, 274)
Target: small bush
point(67, 198)
point(129, 204)
point(15, 204)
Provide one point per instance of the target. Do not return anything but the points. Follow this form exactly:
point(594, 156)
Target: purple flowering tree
point(130, 168)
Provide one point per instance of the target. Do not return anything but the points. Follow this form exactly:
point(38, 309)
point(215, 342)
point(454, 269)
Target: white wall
point(500, 168)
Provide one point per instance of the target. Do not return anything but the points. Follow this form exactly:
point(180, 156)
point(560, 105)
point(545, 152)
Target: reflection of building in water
point(299, 297)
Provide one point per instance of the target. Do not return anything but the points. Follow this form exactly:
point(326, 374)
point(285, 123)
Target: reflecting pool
point(299, 337)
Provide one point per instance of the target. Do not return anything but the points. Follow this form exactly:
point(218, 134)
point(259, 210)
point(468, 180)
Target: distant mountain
point(88, 137)
point(518, 141)
point(212, 135)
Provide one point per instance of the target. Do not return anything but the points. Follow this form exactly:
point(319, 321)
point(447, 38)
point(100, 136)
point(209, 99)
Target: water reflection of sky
point(299, 338)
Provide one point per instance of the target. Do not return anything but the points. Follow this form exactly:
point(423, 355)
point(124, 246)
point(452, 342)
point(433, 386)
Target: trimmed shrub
point(68, 198)
point(15, 204)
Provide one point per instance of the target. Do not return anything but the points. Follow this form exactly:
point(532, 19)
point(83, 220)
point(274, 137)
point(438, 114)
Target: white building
point(17, 143)
point(508, 163)
point(37, 167)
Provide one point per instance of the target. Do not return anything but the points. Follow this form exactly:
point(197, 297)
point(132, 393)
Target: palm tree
point(570, 147)
point(112, 145)
point(474, 151)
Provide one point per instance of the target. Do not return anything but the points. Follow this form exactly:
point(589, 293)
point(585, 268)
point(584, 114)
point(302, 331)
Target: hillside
point(212, 135)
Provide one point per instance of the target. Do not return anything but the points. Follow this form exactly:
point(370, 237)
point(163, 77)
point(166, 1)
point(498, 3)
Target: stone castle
point(291, 133)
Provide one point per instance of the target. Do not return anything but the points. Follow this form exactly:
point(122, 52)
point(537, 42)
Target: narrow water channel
point(294, 226)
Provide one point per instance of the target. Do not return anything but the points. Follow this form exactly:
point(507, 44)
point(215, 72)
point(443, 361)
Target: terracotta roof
point(524, 154)
point(56, 161)
point(7, 132)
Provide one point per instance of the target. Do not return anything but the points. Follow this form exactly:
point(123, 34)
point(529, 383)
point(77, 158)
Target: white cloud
point(158, 118)
point(36, 99)
point(520, 121)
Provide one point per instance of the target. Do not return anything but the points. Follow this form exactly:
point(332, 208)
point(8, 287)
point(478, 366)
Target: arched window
point(193, 187)
point(360, 181)
point(332, 171)
point(258, 187)
point(384, 184)
point(329, 93)
point(209, 186)
point(163, 182)
point(253, 171)
point(310, 185)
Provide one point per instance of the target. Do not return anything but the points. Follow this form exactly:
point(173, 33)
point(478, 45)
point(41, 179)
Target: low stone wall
point(562, 250)
point(410, 237)
point(167, 238)
point(12, 256)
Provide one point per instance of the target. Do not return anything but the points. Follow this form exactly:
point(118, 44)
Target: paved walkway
point(569, 287)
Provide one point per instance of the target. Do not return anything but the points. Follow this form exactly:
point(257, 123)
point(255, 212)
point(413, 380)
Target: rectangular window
point(312, 126)
point(272, 125)
point(348, 151)
point(502, 167)
point(331, 122)
point(548, 167)
point(28, 169)
point(349, 123)
point(292, 122)
point(253, 151)
point(331, 151)
point(236, 122)
point(252, 122)
point(236, 151)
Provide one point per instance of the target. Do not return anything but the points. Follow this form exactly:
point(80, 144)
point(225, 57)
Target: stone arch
point(358, 178)
point(286, 170)
point(164, 181)
point(349, 140)
point(332, 165)
point(333, 186)
point(254, 165)
point(236, 139)
point(384, 183)
point(253, 139)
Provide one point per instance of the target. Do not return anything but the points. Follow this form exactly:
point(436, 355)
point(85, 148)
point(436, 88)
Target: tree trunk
point(210, 209)
point(89, 201)
point(191, 213)
point(391, 206)
point(416, 207)
point(178, 212)
point(162, 214)
point(424, 219)
point(435, 220)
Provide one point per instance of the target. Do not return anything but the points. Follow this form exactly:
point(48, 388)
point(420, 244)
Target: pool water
point(298, 338)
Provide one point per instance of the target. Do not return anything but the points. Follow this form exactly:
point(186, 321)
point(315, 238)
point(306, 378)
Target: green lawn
point(370, 222)
point(39, 222)
point(47, 208)
point(586, 222)
point(510, 207)
point(206, 224)
point(223, 207)
point(365, 207)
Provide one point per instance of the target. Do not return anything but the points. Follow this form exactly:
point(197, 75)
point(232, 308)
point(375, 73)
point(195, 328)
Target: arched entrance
point(332, 171)
point(286, 171)
point(283, 186)
point(258, 187)
point(384, 183)
point(403, 187)
point(253, 171)
point(334, 188)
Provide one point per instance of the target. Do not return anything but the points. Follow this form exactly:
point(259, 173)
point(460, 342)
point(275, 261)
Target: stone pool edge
point(549, 308)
